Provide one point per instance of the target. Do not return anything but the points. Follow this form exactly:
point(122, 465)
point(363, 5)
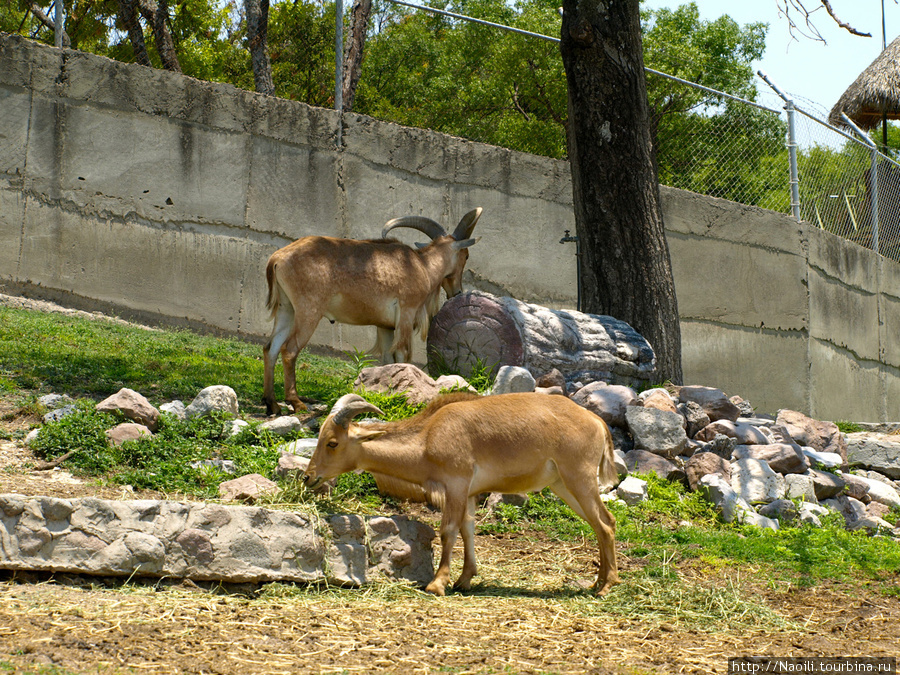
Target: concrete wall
point(158, 196)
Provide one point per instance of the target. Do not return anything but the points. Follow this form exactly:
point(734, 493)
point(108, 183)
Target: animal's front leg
point(470, 569)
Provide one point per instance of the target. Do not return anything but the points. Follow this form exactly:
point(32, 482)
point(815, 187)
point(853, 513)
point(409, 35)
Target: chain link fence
point(773, 154)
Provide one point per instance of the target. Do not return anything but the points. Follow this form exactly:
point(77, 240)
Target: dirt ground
point(525, 616)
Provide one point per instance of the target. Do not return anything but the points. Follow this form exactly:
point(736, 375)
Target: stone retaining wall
point(206, 542)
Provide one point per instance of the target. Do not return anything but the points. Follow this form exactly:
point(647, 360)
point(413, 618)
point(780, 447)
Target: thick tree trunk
point(129, 18)
point(257, 38)
point(626, 270)
point(353, 54)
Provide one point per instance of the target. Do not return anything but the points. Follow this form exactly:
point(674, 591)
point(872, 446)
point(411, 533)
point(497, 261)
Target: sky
point(812, 73)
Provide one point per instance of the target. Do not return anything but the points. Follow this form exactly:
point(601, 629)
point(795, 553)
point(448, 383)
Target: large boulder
point(713, 401)
point(755, 481)
point(642, 461)
point(133, 406)
point(880, 452)
point(705, 463)
point(399, 378)
point(607, 401)
point(781, 457)
point(822, 436)
point(658, 431)
point(218, 398)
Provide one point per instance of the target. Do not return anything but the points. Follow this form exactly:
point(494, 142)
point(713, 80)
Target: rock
point(282, 426)
point(454, 383)
point(715, 489)
point(856, 487)
point(495, 498)
point(223, 465)
point(247, 488)
point(705, 463)
point(660, 400)
point(127, 431)
point(781, 457)
point(621, 439)
point(821, 436)
point(291, 465)
point(554, 378)
point(218, 398)
point(175, 408)
point(880, 452)
point(619, 460)
point(721, 445)
point(204, 542)
point(399, 378)
point(798, 486)
point(237, 426)
point(58, 414)
point(877, 510)
point(133, 406)
point(742, 405)
point(851, 509)
point(55, 401)
point(632, 491)
point(744, 434)
point(872, 525)
point(781, 509)
point(811, 514)
point(513, 379)
point(304, 447)
point(31, 437)
point(755, 481)
point(882, 493)
point(713, 401)
point(694, 416)
point(827, 460)
point(658, 431)
point(550, 391)
point(641, 461)
point(826, 485)
point(607, 401)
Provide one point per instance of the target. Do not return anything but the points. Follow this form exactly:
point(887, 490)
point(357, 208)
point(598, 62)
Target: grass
point(89, 360)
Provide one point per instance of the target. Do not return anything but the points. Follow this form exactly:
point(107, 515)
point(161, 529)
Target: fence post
point(873, 176)
point(58, 23)
point(339, 62)
point(791, 146)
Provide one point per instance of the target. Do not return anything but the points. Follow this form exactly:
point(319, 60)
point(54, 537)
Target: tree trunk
point(353, 55)
point(164, 43)
point(129, 18)
point(257, 37)
point(626, 270)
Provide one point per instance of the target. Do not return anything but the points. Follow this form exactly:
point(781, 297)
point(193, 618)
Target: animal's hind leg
point(304, 325)
point(453, 515)
point(468, 536)
point(583, 496)
point(281, 331)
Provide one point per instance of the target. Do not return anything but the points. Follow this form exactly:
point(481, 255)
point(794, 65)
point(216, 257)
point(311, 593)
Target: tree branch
point(47, 22)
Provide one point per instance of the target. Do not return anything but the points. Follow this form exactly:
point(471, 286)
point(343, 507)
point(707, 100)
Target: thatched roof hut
point(874, 94)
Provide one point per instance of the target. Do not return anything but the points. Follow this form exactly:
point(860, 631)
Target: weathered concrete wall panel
point(175, 217)
point(771, 364)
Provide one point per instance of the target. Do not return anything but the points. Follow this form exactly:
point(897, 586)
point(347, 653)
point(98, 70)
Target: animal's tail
point(606, 471)
point(274, 296)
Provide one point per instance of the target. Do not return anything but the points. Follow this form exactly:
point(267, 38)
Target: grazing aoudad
point(463, 445)
point(379, 282)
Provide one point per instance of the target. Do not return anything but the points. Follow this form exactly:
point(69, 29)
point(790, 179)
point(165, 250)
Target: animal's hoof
point(601, 588)
point(435, 589)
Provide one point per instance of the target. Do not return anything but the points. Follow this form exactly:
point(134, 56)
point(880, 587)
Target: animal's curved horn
point(426, 225)
point(349, 406)
point(467, 224)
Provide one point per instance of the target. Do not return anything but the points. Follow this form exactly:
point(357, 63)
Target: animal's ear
point(465, 243)
point(362, 435)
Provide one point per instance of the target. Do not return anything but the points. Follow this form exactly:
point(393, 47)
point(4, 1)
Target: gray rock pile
point(754, 468)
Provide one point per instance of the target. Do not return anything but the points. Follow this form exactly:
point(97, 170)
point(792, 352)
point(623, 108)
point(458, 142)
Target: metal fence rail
point(786, 160)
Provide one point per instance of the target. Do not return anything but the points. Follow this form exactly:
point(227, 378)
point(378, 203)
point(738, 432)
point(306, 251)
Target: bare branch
point(47, 22)
point(791, 8)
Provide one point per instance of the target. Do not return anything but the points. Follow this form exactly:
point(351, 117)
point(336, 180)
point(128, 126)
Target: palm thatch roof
point(874, 94)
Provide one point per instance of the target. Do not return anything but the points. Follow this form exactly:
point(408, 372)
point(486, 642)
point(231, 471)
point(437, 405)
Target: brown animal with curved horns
point(381, 283)
point(463, 445)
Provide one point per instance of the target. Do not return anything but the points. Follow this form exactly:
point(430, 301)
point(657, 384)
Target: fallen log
point(477, 328)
